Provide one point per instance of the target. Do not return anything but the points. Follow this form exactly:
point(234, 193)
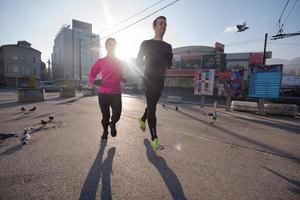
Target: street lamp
point(79, 84)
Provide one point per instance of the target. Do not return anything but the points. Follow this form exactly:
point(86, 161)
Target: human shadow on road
point(165, 171)
point(90, 186)
point(296, 184)
point(106, 171)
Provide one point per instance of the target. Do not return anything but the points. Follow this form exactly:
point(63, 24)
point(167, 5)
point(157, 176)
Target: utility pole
point(49, 70)
point(261, 101)
point(265, 47)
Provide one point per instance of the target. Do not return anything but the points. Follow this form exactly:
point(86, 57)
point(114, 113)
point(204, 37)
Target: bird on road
point(51, 117)
point(25, 136)
point(43, 122)
point(213, 117)
point(23, 109)
point(33, 109)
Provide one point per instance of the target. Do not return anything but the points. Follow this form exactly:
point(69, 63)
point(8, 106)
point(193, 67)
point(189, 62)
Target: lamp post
point(79, 84)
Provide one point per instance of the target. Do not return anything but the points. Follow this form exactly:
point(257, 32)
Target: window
point(34, 71)
point(34, 59)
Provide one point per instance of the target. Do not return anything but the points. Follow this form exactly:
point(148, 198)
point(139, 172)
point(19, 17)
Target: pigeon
point(213, 117)
point(176, 108)
point(23, 109)
point(25, 136)
point(43, 122)
point(51, 117)
point(242, 27)
point(33, 109)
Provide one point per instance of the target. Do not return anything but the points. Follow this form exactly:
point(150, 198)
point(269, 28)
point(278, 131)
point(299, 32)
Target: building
point(75, 50)
point(18, 62)
point(187, 60)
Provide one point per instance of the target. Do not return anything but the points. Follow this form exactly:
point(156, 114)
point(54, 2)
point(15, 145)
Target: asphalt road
point(241, 156)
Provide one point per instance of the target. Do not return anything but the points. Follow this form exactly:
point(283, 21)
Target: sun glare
point(126, 50)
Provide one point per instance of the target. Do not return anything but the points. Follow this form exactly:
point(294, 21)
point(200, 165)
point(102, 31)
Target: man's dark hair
point(160, 17)
point(113, 39)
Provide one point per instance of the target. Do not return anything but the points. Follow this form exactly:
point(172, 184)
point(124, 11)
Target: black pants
point(152, 97)
point(106, 101)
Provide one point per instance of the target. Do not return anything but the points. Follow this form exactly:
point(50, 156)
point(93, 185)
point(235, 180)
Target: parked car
point(49, 86)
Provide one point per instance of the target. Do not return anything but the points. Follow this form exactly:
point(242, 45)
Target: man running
point(157, 56)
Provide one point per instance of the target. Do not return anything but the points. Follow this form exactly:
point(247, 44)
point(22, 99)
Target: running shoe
point(156, 146)
point(104, 137)
point(113, 130)
point(142, 124)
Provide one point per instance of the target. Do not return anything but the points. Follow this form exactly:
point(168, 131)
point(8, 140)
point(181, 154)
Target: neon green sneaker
point(155, 145)
point(142, 124)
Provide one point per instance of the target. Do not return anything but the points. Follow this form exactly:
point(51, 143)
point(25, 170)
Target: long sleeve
point(94, 72)
point(140, 60)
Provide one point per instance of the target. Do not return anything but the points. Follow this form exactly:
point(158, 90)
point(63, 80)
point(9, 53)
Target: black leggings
point(106, 101)
point(152, 97)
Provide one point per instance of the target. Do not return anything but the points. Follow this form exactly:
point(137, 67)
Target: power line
point(288, 44)
point(122, 21)
point(280, 26)
point(128, 26)
point(139, 20)
point(283, 11)
point(245, 42)
point(290, 11)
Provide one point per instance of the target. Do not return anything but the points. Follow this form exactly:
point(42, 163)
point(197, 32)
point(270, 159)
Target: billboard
point(224, 84)
point(256, 58)
point(219, 47)
point(236, 81)
point(204, 82)
point(214, 61)
point(265, 81)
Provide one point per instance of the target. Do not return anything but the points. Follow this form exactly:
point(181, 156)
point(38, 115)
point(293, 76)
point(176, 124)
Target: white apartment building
point(74, 52)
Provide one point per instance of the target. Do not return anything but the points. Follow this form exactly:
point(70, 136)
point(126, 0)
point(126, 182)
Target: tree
point(32, 83)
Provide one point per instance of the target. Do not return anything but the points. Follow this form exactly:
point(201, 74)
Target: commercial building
point(75, 50)
point(187, 60)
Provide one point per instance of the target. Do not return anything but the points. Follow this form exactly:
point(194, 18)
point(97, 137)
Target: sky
point(190, 22)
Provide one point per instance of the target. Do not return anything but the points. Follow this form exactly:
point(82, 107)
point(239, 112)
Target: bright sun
point(127, 50)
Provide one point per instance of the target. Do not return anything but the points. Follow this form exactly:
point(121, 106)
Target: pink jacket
point(110, 71)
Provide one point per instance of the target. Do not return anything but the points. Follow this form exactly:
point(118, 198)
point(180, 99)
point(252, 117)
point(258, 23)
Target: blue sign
point(265, 81)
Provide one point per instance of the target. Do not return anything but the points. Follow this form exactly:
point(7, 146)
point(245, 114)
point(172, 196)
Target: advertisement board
point(214, 61)
point(237, 76)
point(204, 82)
point(265, 81)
